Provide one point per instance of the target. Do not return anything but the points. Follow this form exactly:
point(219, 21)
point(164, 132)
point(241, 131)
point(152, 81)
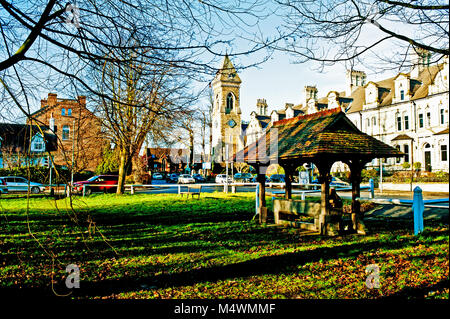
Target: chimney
point(51, 99)
point(354, 79)
point(309, 92)
point(261, 106)
point(82, 100)
point(420, 59)
point(52, 123)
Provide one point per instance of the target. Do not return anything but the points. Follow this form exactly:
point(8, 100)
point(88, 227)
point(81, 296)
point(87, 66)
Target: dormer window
point(37, 143)
point(63, 111)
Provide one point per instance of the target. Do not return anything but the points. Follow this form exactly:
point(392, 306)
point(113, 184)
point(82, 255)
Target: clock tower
point(226, 115)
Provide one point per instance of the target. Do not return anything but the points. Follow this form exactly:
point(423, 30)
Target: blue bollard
point(418, 208)
point(372, 188)
point(257, 198)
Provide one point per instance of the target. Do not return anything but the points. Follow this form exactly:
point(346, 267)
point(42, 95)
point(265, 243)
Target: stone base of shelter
point(308, 215)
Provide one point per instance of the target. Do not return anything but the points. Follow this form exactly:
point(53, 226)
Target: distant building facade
point(22, 145)
point(77, 129)
point(166, 160)
point(408, 111)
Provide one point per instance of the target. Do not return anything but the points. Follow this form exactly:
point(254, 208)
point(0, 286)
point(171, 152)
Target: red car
point(98, 183)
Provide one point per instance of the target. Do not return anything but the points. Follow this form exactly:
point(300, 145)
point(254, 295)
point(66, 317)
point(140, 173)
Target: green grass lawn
point(163, 246)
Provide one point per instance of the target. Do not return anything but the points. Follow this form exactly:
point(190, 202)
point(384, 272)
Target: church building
point(408, 111)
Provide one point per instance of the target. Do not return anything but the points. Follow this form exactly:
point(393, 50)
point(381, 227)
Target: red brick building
point(77, 129)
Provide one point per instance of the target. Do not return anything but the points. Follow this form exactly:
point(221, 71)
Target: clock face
point(231, 123)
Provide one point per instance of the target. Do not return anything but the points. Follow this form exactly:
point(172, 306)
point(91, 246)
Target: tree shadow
point(284, 263)
point(418, 292)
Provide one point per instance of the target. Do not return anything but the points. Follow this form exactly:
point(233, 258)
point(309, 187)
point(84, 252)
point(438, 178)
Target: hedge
point(42, 174)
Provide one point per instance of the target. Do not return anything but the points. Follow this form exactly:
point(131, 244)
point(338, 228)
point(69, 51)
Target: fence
point(417, 203)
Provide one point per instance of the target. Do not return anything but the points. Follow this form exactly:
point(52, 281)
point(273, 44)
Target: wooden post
point(356, 166)
point(324, 167)
point(288, 173)
point(262, 198)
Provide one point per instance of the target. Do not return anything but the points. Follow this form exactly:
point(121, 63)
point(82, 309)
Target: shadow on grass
point(418, 292)
point(278, 264)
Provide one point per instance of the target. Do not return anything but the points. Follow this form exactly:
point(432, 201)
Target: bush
point(429, 177)
point(367, 174)
point(406, 165)
point(39, 174)
point(417, 166)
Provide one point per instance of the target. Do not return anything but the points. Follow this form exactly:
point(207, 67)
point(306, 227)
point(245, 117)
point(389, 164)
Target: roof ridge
point(319, 114)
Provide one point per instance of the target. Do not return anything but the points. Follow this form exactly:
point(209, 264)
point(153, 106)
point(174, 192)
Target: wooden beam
point(289, 169)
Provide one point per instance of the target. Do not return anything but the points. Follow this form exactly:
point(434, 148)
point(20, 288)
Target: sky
point(279, 81)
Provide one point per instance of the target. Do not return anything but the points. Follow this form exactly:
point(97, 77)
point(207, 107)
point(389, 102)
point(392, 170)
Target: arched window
point(69, 112)
point(66, 132)
point(63, 111)
point(230, 101)
point(374, 121)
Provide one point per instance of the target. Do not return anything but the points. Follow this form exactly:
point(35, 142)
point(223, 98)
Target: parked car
point(20, 184)
point(254, 179)
point(246, 177)
point(222, 179)
point(157, 176)
point(199, 178)
point(3, 186)
point(173, 178)
point(334, 182)
point(186, 179)
point(338, 182)
point(277, 178)
point(97, 183)
point(243, 177)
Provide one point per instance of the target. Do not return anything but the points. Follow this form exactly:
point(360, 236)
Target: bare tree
point(356, 31)
point(143, 94)
point(49, 43)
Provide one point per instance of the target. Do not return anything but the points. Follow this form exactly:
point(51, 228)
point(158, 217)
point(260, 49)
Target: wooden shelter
point(321, 138)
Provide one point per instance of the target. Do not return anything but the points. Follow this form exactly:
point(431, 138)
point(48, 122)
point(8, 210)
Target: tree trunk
point(123, 170)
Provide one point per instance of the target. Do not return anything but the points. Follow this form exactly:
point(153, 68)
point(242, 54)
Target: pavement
point(405, 212)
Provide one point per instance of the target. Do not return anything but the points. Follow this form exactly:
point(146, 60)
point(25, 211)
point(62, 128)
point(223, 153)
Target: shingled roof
point(418, 88)
point(18, 136)
point(326, 133)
